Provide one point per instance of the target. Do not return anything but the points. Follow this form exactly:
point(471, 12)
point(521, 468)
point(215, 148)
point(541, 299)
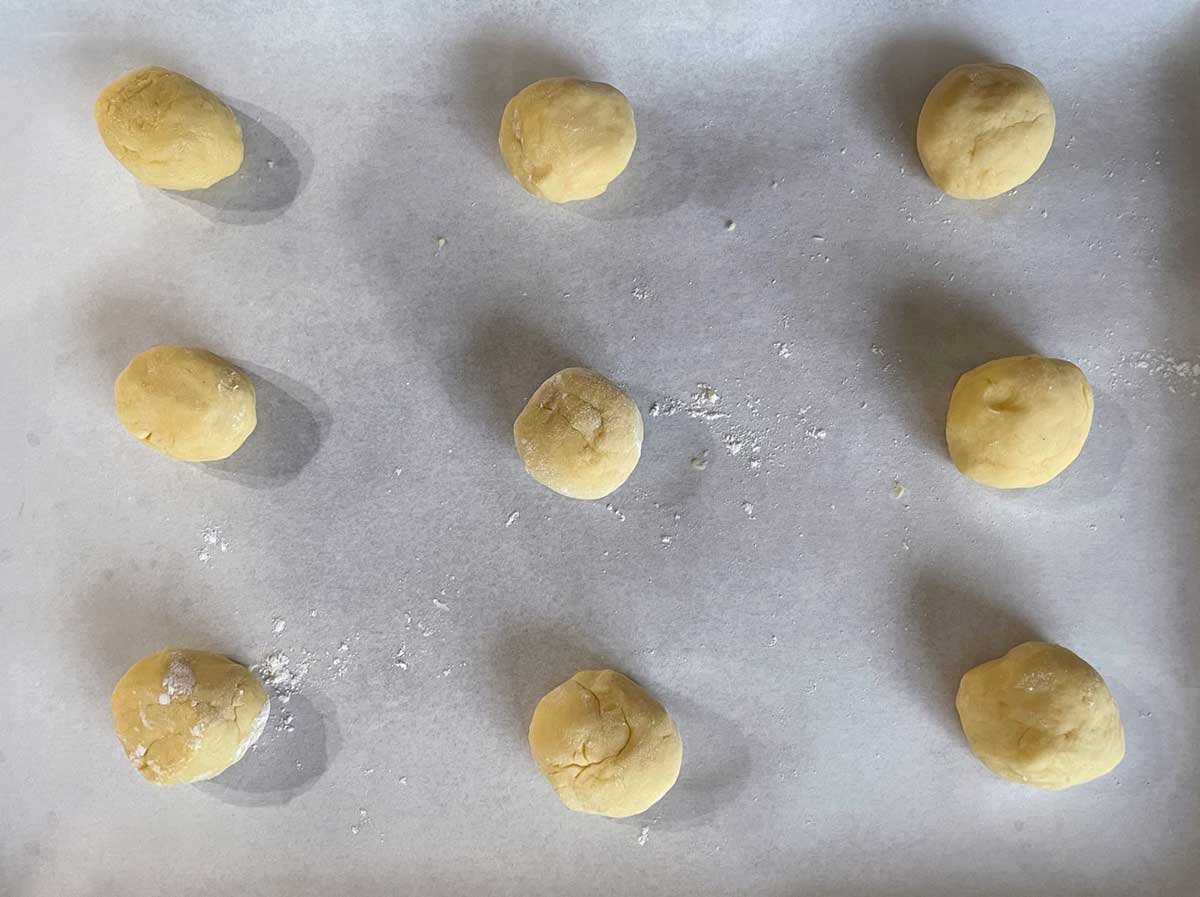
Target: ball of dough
point(1041, 716)
point(168, 131)
point(605, 745)
point(565, 139)
point(984, 129)
point(579, 434)
point(1020, 421)
point(187, 403)
point(185, 716)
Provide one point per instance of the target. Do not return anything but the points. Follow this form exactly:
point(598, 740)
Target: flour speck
point(213, 540)
point(280, 675)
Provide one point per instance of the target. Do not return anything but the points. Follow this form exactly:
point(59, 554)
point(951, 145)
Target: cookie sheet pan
point(795, 568)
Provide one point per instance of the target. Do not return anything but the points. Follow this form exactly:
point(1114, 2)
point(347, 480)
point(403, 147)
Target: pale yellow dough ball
point(984, 129)
point(168, 131)
point(564, 139)
point(185, 716)
point(1018, 422)
point(580, 435)
point(187, 403)
point(1041, 716)
point(606, 746)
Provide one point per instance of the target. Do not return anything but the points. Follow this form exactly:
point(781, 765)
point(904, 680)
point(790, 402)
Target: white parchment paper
point(795, 568)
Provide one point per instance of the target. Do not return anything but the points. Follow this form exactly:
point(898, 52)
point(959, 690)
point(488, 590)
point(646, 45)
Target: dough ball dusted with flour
point(580, 435)
point(605, 744)
point(1041, 716)
point(565, 139)
point(1018, 422)
point(185, 716)
point(187, 403)
point(984, 129)
point(168, 131)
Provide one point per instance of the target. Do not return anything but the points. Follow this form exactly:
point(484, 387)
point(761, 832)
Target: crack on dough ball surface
point(1018, 422)
point(605, 745)
point(564, 139)
point(984, 129)
point(169, 131)
point(188, 403)
point(1041, 716)
point(579, 434)
point(185, 716)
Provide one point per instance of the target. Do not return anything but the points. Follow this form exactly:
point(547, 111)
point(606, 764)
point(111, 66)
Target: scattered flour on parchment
point(1180, 375)
point(747, 429)
point(282, 676)
point(212, 540)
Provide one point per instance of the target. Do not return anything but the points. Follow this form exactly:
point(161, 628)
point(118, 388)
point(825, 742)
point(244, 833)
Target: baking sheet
point(803, 606)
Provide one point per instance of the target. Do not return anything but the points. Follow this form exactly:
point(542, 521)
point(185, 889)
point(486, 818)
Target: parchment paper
point(805, 618)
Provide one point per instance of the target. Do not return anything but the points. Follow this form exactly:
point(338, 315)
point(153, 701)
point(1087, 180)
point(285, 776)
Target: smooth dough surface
point(187, 403)
point(606, 746)
point(1041, 716)
point(1018, 422)
point(579, 434)
point(168, 131)
point(985, 129)
point(564, 139)
point(185, 716)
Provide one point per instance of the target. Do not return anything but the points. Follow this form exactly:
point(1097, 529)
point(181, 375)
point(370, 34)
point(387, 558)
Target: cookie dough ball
point(168, 131)
point(185, 716)
point(580, 434)
point(187, 403)
point(565, 139)
point(606, 746)
point(1020, 421)
point(1041, 716)
point(984, 129)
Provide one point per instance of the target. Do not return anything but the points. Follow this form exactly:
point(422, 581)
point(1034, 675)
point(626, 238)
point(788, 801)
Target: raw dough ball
point(606, 746)
point(168, 130)
point(1018, 421)
point(1041, 716)
point(984, 129)
point(579, 434)
point(566, 139)
point(185, 716)
point(187, 403)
